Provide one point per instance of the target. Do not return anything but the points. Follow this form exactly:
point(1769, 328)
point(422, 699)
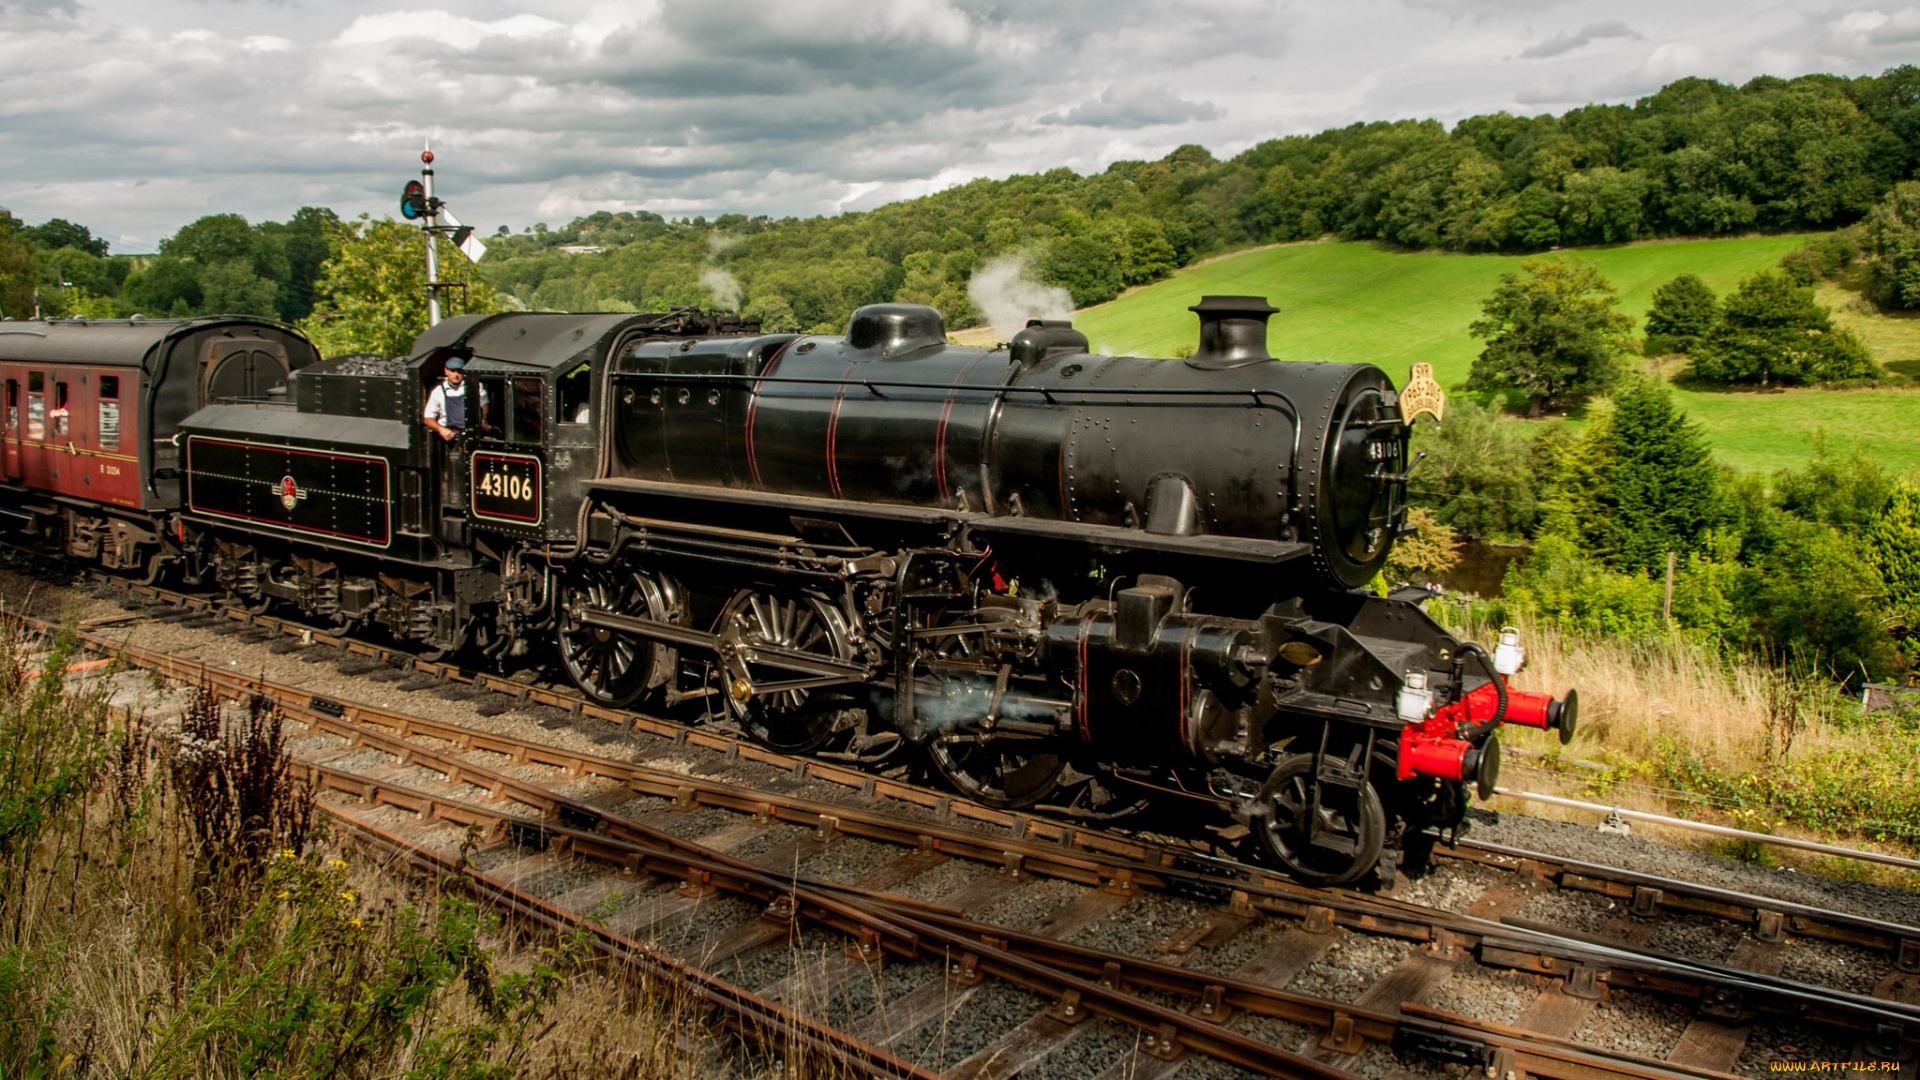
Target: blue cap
point(456, 364)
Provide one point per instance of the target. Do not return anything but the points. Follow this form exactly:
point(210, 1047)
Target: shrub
point(1483, 475)
point(1560, 584)
point(1423, 555)
point(1772, 330)
point(1816, 599)
point(1822, 257)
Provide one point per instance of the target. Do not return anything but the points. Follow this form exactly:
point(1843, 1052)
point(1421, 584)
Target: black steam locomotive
point(1058, 578)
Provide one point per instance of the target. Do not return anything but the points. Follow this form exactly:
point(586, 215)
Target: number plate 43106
point(506, 487)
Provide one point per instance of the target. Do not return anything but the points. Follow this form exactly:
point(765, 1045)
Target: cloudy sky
point(136, 116)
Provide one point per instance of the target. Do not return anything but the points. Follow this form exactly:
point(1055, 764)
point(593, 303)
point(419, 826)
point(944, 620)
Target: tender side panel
point(343, 497)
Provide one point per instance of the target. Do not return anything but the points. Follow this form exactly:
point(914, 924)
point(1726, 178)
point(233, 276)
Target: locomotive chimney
point(1233, 331)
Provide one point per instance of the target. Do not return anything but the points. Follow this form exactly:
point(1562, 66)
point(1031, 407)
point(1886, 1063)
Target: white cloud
point(136, 116)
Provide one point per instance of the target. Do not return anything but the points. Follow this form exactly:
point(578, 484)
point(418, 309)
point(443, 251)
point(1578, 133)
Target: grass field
point(1346, 301)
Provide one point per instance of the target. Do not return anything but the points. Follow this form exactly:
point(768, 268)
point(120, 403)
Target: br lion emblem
point(290, 492)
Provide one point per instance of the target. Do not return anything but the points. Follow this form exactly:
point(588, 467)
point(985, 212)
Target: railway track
point(1234, 935)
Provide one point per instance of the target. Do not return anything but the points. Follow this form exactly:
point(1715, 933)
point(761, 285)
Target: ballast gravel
point(1827, 963)
point(1773, 1043)
point(1635, 1024)
point(1567, 840)
point(1234, 953)
point(1350, 967)
point(1089, 1053)
point(1695, 937)
point(1030, 904)
point(1449, 886)
point(943, 880)
point(1496, 994)
point(993, 1010)
point(1147, 920)
point(848, 859)
point(1584, 912)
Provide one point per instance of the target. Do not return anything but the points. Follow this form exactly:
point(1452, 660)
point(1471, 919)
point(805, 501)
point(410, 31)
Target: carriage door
point(33, 449)
point(60, 447)
point(11, 434)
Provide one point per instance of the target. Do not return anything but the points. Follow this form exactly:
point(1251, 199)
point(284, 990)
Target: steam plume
point(1006, 292)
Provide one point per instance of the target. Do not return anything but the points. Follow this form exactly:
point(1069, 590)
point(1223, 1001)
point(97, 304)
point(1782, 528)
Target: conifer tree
point(1640, 483)
point(1683, 310)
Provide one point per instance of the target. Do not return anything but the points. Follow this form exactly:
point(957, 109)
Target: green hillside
point(1348, 301)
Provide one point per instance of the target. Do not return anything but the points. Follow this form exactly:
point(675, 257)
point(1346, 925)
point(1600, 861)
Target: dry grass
point(1686, 732)
point(139, 941)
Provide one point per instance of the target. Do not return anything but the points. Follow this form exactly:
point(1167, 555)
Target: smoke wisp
point(1008, 294)
point(723, 285)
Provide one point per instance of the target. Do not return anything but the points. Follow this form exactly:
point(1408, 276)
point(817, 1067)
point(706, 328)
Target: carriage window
point(59, 413)
point(109, 412)
point(572, 391)
point(36, 382)
point(13, 406)
point(526, 421)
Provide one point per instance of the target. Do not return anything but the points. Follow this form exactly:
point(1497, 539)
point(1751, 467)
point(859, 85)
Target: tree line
point(219, 264)
point(1699, 158)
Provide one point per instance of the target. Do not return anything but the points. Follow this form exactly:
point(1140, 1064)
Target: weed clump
point(167, 910)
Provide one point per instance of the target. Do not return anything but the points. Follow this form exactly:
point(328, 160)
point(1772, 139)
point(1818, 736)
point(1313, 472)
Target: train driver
point(447, 405)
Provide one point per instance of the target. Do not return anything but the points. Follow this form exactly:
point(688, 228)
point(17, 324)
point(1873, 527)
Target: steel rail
point(789, 899)
point(1519, 949)
point(1084, 981)
point(1560, 956)
point(1648, 895)
point(1714, 830)
point(749, 1010)
point(1526, 948)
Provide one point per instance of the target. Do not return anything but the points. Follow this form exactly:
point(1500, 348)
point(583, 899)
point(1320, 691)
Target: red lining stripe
point(1186, 664)
point(753, 408)
point(833, 433)
point(1086, 681)
point(940, 433)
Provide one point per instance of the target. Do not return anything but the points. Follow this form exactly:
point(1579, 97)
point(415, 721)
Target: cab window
point(492, 390)
point(572, 392)
point(527, 422)
point(513, 408)
point(36, 405)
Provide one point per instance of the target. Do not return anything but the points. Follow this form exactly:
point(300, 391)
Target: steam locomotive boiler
point(1060, 577)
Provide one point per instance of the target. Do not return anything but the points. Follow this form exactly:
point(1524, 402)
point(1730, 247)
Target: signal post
point(418, 203)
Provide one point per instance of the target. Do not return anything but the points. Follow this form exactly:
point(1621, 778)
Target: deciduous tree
point(1772, 330)
point(372, 293)
point(1552, 332)
point(1483, 475)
